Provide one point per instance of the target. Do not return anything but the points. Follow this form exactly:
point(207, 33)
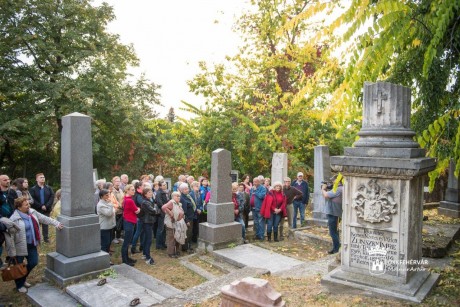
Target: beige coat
point(20, 239)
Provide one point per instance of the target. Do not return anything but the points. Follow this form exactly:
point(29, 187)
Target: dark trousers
point(161, 233)
point(129, 233)
point(273, 222)
point(45, 229)
point(106, 239)
point(188, 242)
point(246, 217)
point(332, 223)
point(139, 233)
point(195, 230)
point(117, 233)
point(148, 234)
point(32, 261)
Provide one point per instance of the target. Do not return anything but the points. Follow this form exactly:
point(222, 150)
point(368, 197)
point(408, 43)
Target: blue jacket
point(259, 195)
point(302, 187)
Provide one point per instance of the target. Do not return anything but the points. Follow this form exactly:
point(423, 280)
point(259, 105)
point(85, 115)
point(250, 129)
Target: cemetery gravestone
point(322, 172)
point(250, 292)
point(220, 230)
point(279, 167)
point(451, 205)
point(78, 246)
point(383, 201)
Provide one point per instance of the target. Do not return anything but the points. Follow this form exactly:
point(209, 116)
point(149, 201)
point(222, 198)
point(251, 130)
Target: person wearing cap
point(290, 193)
point(300, 203)
point(333, 211)
point(273, 209)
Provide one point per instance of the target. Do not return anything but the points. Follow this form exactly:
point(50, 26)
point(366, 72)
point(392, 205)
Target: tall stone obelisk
point(221, 229)
point(383, 201)
point(78, 246)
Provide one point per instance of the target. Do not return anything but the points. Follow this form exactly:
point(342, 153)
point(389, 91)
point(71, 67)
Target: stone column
point(220, 230)
point(451, 205)
point(322, 171)
point(78, 246)
point(279, 167)
point(383, 201)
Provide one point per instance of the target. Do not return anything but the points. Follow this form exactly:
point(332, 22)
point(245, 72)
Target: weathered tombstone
point(234, 174)
point(168, 183)
point(279, 167)
point(78, 246)
point(322, 172)
point(383, 199)
point(220, 230)
point(250, 292)
point(451, 205)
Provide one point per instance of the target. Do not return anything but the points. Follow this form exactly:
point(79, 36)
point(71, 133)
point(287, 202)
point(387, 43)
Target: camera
point(329, 185)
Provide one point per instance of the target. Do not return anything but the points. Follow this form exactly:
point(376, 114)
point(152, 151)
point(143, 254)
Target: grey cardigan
point(20, 240)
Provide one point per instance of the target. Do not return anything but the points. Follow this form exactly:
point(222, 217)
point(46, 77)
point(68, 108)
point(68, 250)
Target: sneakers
point(150, 261)
point(27, 285)
point(22, 290)
point(115, 241)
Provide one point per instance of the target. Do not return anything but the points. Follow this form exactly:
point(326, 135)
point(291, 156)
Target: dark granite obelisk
point(78, 246)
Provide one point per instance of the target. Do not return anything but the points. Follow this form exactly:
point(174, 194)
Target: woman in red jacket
point(274, 209)
point(130, 211)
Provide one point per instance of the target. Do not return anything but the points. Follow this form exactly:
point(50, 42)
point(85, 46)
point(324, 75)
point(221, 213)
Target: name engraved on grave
point(363, 240)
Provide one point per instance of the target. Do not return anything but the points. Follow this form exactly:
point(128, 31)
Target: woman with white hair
point(173, 212)
point(273, 209)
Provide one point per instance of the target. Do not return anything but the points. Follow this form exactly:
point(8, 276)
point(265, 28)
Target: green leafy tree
point(56, 57)
point(269, 97)
point(413, 43)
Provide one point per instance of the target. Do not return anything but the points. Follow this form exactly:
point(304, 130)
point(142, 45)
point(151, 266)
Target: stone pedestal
point(220, 230)
point(279, 167)
point(250, 292)
point(322, 172)
point(383, 201)
point(451, 205)
point(78, 246)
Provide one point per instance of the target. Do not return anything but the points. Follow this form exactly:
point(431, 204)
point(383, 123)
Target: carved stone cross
point(381, 97)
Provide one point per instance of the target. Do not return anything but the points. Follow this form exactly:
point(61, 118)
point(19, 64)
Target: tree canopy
point(57, 57)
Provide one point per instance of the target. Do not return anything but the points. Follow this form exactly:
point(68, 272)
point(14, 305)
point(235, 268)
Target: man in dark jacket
point(189, 208)
point(43, 197)
point(300, 203)
point(161, 198)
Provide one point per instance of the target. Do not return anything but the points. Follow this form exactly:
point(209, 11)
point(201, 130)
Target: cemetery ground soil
point(295, 291)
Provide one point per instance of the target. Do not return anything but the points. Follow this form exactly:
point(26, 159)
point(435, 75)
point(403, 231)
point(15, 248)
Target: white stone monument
point(383, 201)
point(279, 167)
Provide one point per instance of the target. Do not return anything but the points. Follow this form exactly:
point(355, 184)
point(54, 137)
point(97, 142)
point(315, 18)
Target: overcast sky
point(171, 37)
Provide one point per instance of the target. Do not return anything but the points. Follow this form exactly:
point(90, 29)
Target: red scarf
point(36, 228)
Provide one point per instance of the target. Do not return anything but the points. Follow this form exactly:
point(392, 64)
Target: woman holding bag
point(27, 239)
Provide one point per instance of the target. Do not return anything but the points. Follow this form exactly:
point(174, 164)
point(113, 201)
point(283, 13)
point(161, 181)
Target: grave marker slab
point(279, 167)
point(451, 205)
point(322, 172)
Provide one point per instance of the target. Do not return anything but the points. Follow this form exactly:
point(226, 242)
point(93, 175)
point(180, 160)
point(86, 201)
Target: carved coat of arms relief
point(373, 203)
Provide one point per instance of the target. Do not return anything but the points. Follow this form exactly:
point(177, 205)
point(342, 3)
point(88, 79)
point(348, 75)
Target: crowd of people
point(144, 209)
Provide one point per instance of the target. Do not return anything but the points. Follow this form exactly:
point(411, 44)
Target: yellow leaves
point(416, 42)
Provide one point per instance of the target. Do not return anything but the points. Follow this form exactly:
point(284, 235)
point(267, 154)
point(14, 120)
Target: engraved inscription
point(374, 204)
point(365, 240)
